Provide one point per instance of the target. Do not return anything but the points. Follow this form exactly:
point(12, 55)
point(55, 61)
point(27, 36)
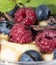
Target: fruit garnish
point(31, 56)
point(54, 42)
point(20, 34)
point(25, 15)
point(5, 26)
point(45, 40)
point(42, 12)
point(54, 54)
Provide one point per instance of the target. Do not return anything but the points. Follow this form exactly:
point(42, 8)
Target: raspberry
point(25, 15)
point(54, 42)
point(20, 34)
point(45, 40)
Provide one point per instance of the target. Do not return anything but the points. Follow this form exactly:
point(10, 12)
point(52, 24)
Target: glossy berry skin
point(42, 12)
point(55, 54)
point(25, 15)
point(11, 13)
point(45, 40)
point(20, 34)
point(5, 26)
point(31, 56)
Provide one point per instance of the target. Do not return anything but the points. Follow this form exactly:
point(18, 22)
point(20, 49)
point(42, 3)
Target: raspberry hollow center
point(48, 37)
point(24, 15)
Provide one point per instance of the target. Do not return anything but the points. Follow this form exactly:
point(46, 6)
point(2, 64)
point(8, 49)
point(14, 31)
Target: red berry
point(45, 40)
point(54, 42)
point(25, 15)
point(20, 34)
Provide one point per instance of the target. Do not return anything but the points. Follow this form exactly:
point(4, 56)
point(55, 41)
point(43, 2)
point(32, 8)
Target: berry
point(42, 12)
point(55, 54)
point(25, 15)
point(20, 34)
point(54, 40)
point(11, 13)
point(45, 40)
point(31, 56)
point(5, 26)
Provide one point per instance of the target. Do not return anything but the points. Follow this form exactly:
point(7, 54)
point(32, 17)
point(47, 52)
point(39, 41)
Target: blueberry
point(42, 12)
point(11, 13)
point(5, 26)
point(54, 54)
point(31, 56)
